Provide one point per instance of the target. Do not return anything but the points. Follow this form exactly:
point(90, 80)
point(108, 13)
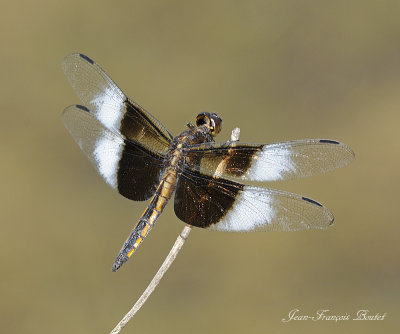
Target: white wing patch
point(252, 210)
point(107, 154)
point(109, 107)
point(271, 164)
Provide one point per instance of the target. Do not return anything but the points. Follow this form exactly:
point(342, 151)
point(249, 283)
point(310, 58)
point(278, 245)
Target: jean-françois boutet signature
point(321, 315)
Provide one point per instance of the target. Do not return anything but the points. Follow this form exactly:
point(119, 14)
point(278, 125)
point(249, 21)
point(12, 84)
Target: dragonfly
point(140, 159)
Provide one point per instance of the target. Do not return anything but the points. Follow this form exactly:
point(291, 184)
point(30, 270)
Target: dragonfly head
point(211, 120)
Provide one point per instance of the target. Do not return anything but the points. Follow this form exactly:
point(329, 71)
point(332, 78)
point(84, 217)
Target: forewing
point(271, 162)
point(126, 166)
point(110, 106)
point(224, 205)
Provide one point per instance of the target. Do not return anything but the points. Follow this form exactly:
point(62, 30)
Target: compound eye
point(202, 119)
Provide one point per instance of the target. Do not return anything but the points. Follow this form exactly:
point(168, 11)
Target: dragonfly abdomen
point(149, 217)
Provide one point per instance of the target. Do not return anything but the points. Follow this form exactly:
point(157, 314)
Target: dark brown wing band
point(202, 200)
point(139, 172)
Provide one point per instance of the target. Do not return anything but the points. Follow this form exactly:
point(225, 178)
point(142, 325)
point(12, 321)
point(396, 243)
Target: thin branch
point(180, 241)
point(156, 279)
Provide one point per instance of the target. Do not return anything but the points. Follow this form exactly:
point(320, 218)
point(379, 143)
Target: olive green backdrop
point(280, 70)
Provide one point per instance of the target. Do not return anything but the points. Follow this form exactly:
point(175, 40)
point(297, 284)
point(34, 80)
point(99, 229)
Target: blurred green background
point(280, 70)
